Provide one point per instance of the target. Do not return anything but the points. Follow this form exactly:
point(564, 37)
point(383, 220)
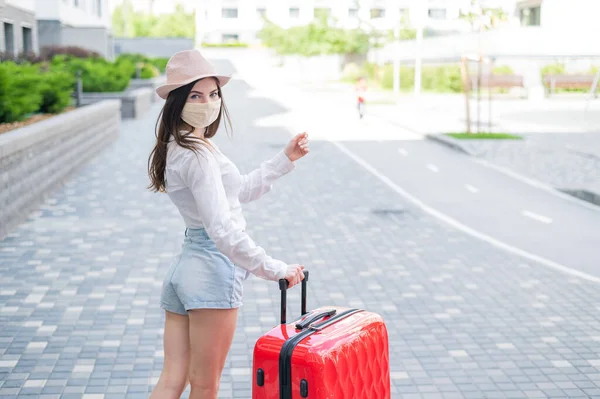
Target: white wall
point(85, 14)
point(520, 42)
point(28, 5)
point(47, 9)
point(571, 14)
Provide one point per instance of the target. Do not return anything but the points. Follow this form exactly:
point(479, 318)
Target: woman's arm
point(260, 181)
point(201, 173)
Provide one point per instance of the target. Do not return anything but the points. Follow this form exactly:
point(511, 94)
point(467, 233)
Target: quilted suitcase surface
point(329, 353)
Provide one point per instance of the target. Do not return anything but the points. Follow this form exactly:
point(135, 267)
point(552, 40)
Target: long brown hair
point(169, 123)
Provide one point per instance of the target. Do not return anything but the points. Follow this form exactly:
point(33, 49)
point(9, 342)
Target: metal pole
point(479, 70)
point(595, 85)
point(490, 97)
point(397, 60)
point(479, 94)
point(418, 55)
point(78, 90)
point(466, 89)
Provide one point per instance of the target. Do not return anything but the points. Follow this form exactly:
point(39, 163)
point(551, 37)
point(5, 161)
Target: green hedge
point(230, 44)
point(503, 70)
point(149, 67)
point(97, 74)
point(31, 85)
point(27, 89)
point(440, 79)
point(56, 88)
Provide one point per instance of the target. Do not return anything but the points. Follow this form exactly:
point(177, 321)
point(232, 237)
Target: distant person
point(202, 290)
point(361, 89)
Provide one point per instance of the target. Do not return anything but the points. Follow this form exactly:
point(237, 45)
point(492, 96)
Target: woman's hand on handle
point(294, 275)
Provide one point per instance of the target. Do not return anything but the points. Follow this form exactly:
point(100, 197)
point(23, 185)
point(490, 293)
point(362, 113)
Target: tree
point(315, 38)
point(125, 23)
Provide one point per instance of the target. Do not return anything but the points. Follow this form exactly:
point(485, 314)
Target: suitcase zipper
point(285, 356)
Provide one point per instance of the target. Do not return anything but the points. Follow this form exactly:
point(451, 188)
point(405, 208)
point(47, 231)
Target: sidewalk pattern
point(80, 283)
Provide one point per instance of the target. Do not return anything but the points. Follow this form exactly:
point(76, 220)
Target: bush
point(407, 77)
point(148, 71)
point(131, 57)
point(56, 88)
point(160, 63)
point(553, 69)
point(149, 67)
point(20, 92)
point(502, 70)
point(439, 79)
point(97, 74)
point(442, 79)
point(230, 44)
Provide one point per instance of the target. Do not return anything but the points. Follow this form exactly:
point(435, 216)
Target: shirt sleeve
point(201, 173)
point(260, 181)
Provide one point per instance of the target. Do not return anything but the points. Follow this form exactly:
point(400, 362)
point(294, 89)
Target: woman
point(203, 287)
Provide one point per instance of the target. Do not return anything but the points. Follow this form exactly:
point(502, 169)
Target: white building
point(548, 29)
point(82, 23)
point(18, 30)
point(240, 20)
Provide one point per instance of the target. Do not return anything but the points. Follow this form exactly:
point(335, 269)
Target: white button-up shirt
point(207, 189)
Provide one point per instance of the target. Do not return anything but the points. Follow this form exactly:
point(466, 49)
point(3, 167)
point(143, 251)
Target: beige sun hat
point(186, 67)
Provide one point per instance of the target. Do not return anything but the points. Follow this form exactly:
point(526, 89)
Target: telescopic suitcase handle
point(283, 286)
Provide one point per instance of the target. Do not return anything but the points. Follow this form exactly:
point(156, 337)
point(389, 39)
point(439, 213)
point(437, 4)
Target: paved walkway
point(80, 281)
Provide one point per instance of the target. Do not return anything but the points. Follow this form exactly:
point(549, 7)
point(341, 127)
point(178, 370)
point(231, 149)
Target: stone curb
point(450, 142)
point(584, 195)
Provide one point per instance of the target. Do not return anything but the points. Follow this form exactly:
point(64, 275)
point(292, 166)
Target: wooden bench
point(554, 82)
point(497, 81)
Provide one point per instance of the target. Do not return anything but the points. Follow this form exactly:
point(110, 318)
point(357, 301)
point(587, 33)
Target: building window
point(27, 40)
point(377, 13)
point(261, 12)
point(530, 16)
point(229, 13)
point(9, 38)
point(99, 7)
point(404, 14)
point(352, 13)
point(230, 37)
point(437, 13)
point(294, 12)
point(322, 12)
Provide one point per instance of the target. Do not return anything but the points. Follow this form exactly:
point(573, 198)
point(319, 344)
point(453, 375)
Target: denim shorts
point(201, 277)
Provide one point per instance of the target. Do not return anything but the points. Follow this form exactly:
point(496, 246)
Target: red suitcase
point(329, 353)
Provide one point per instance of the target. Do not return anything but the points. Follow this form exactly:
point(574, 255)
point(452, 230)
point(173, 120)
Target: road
point(487, 201)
